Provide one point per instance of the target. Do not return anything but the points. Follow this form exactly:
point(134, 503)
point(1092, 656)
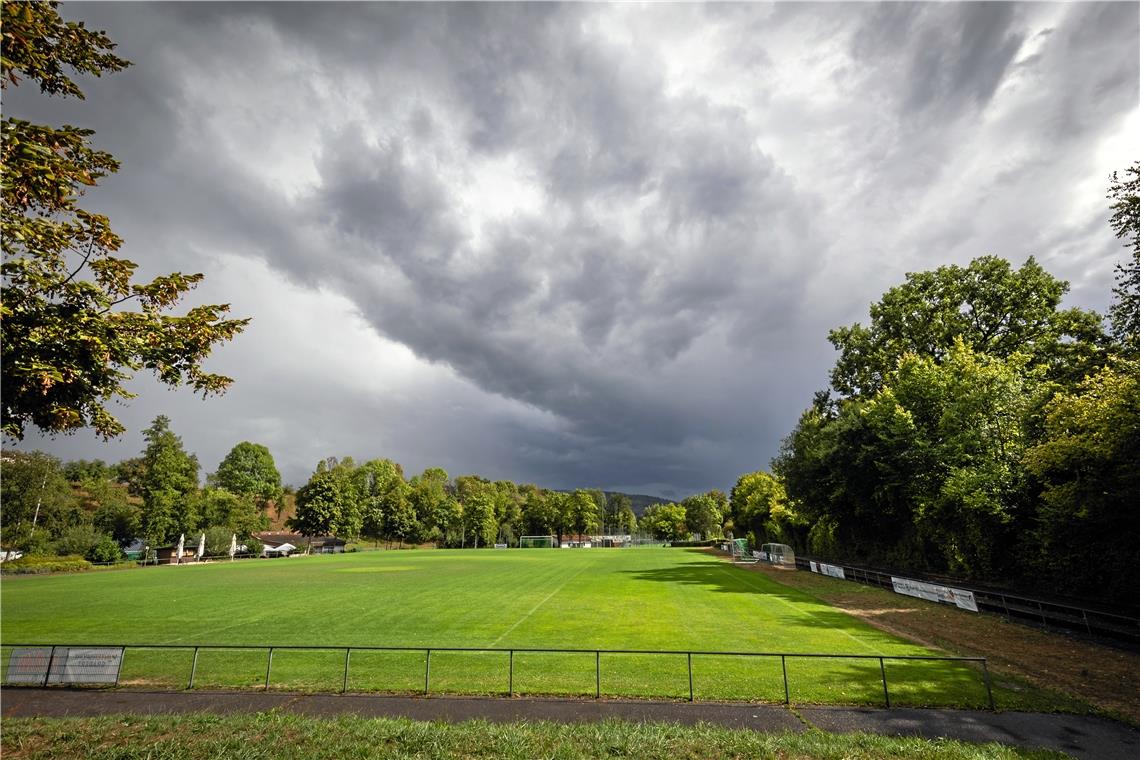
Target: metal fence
point(1038, 612)
point(598, 691)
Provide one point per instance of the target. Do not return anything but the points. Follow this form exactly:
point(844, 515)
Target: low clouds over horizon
point(581, 245)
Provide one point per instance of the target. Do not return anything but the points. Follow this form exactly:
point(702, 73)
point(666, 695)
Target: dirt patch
point(1102, 676)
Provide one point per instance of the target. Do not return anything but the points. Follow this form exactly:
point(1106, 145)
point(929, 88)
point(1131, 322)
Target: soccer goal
point(780, 555)
point(740, 551)
point(536, 542)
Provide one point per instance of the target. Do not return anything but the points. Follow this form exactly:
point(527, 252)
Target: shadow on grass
point(720, 578)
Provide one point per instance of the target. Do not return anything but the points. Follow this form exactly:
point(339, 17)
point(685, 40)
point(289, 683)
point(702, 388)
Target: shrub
point(39, 564)
point(86, 541)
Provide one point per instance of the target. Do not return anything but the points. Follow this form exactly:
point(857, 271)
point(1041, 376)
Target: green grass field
point(648, 598)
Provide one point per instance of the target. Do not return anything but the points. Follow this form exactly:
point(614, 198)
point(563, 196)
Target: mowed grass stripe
point(667, 599)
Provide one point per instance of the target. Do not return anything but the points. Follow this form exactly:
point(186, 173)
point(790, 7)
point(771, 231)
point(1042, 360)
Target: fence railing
point(1023, 609)
point(509, 681)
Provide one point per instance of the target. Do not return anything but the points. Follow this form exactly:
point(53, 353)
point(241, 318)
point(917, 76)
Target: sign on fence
point(87, 665)
point(835, 571)
point(935, 593)
point(28, 665)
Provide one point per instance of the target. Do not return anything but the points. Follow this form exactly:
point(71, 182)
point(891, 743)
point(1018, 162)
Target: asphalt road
point(1079, 735)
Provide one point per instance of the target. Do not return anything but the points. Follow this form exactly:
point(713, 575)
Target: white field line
point(533, 609)
point(802, 611)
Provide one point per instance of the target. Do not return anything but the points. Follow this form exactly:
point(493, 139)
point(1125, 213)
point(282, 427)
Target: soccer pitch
point(596, 599)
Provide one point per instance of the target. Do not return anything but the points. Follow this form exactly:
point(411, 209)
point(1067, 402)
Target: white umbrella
point(181, 546)
point(201, 547)
point(233, 546)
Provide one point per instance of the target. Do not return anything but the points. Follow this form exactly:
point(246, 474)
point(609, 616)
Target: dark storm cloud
point(618, 234)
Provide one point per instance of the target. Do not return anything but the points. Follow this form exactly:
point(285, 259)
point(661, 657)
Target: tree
point(168, 485)
point(219, 508)
point(120, 520)
point(69, 339)
point(665, 521)
point(1125, 310)
point(320, 506)
point(616, 506)
point(33, 490)
point(248, 470)
point(429, 497)
point(992, 308)
point(382, 492)
point(89, 543)
point(1089, 463)
point(760, 508)
point(703, 513)
point(582, 511)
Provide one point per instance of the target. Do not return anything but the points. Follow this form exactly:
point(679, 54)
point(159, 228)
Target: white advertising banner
point(28, 665)
point(86, 665)
point(935, 593)
point(835, 571)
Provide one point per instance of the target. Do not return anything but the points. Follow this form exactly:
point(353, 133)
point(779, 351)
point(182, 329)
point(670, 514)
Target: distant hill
point(638, 501)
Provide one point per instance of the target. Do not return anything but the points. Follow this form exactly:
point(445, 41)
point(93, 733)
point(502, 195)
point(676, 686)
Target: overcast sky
point(581, 245)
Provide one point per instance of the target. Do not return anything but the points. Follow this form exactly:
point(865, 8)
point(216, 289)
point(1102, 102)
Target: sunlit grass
point(631, 599)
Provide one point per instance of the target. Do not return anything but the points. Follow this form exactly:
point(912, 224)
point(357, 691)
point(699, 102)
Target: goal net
point(778, 554)
point(740, 551)
point(536, 542)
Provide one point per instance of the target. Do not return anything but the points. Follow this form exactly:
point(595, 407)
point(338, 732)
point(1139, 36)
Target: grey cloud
point(655, 314)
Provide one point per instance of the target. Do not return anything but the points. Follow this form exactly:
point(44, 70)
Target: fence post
point(690, 655)
point(51, 659)
point(784, 667)
point(119, 670)
point(989, 688)
point(886, 694)
point(1085, 615)
point(344, 684)
point(427, 670)
point(1041, 609)
point(268, 668)
point(1006, 606)
point(511, 676)
point(193, 669)
point(597, 674)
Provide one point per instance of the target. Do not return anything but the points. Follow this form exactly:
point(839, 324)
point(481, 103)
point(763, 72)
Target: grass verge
point(281, 736)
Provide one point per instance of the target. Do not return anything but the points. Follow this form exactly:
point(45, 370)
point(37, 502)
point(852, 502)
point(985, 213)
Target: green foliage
point(704, 513)
point(248, 470)
point(89, 543)
point(665, 521)
point(29, 481)
point(70, 343)
point(83, 471)
point(1089, 463)
point(329, 503)
point(168, 485)
point(218, 540)
point(1125, 310)
point(218, 507)
point(40, 565)
point(987, 305)
point(759, 507)
point(582, 512)
point(120, 520)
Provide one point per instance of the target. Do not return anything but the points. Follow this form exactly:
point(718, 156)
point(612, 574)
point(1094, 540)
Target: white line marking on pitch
point(533, 609)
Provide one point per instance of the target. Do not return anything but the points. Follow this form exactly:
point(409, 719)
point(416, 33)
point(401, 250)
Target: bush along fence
point(1032, 611)
point(597, 673)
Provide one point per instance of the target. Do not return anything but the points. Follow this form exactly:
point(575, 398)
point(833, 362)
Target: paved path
point(1080, 736)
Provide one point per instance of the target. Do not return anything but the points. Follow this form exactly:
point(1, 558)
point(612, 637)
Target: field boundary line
point(534, 609)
